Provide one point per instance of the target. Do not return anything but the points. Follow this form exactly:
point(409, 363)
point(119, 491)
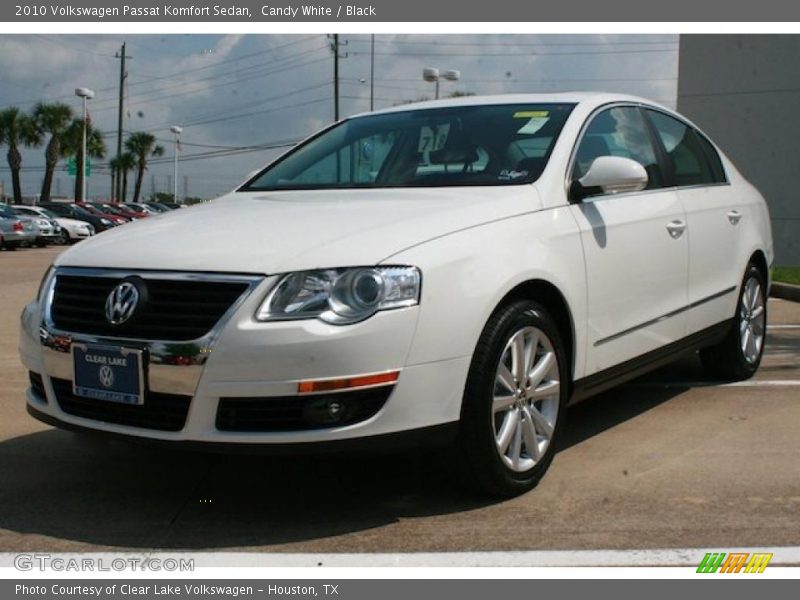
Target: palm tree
point(122, 165)
point(142, 145)
point(72, 145)
point(17, 128)
point(52, 119)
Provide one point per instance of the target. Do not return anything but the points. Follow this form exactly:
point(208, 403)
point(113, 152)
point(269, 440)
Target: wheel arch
point(759, 258)
point(547, 294)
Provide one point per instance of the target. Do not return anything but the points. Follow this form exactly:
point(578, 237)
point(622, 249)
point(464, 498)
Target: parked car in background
point(159, 206)
point(140, 207)
point(72, 230)
point(49, 229)
point(17, 230)
point(116, 219)
point(73, 211)
point(120, 210)
point(479, 264)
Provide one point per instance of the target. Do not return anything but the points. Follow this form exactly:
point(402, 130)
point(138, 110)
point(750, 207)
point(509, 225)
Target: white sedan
point(71, 231)
point(454, 272)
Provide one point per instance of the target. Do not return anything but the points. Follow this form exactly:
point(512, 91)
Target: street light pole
point(432, 75)
point(86, 94)
point(177, 131)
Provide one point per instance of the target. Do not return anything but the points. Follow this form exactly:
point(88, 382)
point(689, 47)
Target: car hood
point(275, 232)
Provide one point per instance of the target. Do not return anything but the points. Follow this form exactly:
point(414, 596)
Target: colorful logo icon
point(734, 562)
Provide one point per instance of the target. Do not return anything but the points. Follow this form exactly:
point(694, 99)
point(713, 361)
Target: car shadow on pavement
point(76, 490)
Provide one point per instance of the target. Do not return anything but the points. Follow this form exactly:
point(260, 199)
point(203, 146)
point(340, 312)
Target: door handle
point(734, 217)
point(676, 228)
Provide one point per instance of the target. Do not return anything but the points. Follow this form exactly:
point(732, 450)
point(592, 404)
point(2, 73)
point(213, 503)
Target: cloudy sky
point(234, 95)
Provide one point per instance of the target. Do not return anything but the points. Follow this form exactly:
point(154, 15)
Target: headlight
point(106, 222)
point(341, 296)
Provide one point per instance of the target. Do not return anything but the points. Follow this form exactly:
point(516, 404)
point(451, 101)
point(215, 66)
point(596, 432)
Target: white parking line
point(670, 557)
point(778, 383)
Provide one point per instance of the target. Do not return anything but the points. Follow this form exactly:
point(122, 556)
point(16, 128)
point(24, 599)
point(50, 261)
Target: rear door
point(714, 220)
point(634, 244)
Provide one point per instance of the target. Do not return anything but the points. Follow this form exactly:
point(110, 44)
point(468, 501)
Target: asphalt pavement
point(672, 460)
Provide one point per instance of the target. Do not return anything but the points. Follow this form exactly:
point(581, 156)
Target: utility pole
point(372, 74)
point(335, 76)
point(123, 74)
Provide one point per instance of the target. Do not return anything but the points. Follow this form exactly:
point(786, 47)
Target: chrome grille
point(173, 310)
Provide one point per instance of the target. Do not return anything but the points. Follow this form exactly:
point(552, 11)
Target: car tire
point(494, 449)
point(63, 238)
point(738, 356)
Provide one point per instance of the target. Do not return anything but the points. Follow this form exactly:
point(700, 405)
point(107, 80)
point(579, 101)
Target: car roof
point(592, 99)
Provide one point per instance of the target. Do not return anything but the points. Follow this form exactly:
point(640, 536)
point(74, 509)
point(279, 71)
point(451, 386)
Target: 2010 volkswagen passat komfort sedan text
point(455, 271)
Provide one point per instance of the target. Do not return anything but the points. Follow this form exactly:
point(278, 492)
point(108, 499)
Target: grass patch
point(786, 275)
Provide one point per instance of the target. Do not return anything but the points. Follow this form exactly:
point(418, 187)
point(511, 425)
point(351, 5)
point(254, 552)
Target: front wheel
point(738, 356)
point(514, 401)
point(63, 238)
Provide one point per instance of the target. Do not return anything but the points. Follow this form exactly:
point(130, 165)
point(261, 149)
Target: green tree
point(52, 120)
point(72, 145)
point(17, 129)
point(143, 146)
point(122, 165)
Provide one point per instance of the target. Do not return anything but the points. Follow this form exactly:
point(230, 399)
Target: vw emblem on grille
point(121, 303)
point(106, 376)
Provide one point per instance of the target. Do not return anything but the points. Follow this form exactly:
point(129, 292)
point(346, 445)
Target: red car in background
point(114, 218)
point(121, 210)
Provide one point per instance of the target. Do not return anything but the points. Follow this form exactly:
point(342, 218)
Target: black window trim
point(658, 147)
point(698, 132)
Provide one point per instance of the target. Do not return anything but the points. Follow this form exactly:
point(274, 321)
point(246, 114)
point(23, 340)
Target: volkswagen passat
point(452, 272)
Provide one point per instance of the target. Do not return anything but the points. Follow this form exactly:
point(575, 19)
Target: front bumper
point(245, 359)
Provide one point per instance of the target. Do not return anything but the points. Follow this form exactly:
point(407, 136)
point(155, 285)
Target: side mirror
point(611, 175)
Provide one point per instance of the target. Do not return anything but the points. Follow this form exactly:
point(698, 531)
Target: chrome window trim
point(641, 105)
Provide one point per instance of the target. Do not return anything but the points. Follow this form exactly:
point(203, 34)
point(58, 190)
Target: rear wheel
point(738, 356)
point(514, 401)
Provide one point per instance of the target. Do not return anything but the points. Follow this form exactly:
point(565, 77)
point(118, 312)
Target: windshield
point(463, 145)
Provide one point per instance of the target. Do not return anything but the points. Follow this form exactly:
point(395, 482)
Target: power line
point(185, 72)
point(473, 44)
point(509, 54)
point(203, 118)
point(258, 71)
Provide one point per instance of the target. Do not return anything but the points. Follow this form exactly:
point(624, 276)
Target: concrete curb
point(786, 291)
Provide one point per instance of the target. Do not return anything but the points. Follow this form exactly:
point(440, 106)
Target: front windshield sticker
point(430, 140)
point(533, 125)
point(531, 114)
point(510, 174)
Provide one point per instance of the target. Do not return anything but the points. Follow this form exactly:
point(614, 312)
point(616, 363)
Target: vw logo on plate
point(106, 376)
point(121, 303)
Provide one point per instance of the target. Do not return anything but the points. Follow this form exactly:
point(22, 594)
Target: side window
point(693, 159)
point(620, 131)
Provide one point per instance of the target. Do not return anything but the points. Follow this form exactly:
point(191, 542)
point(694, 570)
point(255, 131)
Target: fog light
point(325, 411)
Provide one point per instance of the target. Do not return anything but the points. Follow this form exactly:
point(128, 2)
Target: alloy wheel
point(752, 320)
point(526, 398)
